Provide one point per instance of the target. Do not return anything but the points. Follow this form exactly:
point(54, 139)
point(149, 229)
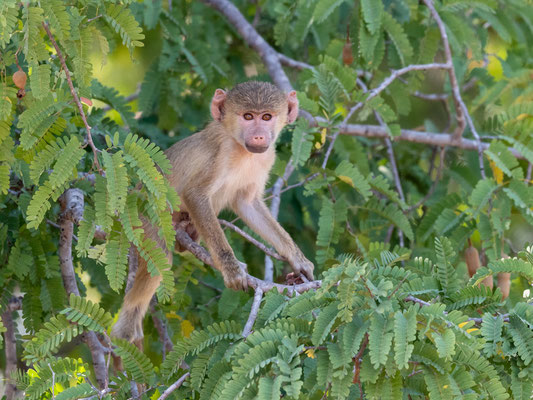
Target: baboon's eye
point(267, 117)
point(248, 117)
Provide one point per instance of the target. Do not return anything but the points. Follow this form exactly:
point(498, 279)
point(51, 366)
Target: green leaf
point(135, 362)
point(379, 340)
point(330, 226)
point(324, 322)
point(123, 22)
point(373, 14)
point(502, 157)
point(116, 258)
point(302, 143)
point(404, 333)
point(117, 181)
point(40, 81)
point(88, 314)
point(398, 37)
point(482, 194)
point(445, 343)
point(324, 8)
point(349, 173)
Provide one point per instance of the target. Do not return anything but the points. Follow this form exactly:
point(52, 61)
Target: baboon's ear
point(217, 104)
point(292, 101)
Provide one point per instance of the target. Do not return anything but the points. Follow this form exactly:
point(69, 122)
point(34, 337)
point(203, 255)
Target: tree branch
point(202, 254)
point(375, 92)
point(10, 345)
point(258, 295)
point(174, 386)
point(435, 139)
point(451, 71)
point(269, 56)
point(460, 108)
point(257, 243)
point(72, 204)
point(74, 95)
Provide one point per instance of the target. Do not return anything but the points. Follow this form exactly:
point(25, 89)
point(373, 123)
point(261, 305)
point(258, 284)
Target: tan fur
point(214, 169)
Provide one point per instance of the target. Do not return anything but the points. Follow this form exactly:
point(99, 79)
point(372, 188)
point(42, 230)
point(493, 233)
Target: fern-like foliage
point(124, 23)
point(83, 390)
point(332, 216)
point(302, 143)
point(351, 175)
point(392, 214)
point(198, 341)
point(137, 364)
point(380, 340)
point(64, 169)
point(59, 371)
point(88, 314)
point(445, 270)
point(40, 80)
point(116, 258)
point(9, 13)
point(48, 339)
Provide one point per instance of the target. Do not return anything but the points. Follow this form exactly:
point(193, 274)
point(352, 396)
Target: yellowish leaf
point(497, 172)
point(186, 328)
point(346, 179)
point(310, 353)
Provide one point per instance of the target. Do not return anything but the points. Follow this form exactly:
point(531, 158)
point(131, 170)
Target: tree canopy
point(406, 180)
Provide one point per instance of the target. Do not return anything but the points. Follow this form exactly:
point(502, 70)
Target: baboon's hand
point(301, 265)
point(235, 276)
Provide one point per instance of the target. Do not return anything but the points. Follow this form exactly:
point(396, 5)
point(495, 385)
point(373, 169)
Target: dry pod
point(472, 260)
point(347, 55)
point(19, 79)
point(504, 281)
point(473, 264)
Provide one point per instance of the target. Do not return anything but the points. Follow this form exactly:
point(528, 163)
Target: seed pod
point(347, 56)
point(504, 281)
point(473, 264)
point(19, 79)
point(472, 260)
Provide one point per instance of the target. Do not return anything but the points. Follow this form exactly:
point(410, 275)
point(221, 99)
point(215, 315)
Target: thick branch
point(74, 95)
point(435, 139)
point(199, 252)
point(71, 212)
point(269, 56)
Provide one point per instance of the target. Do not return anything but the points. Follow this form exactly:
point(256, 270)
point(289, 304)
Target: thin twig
point(258, 295)
point(53, 381)
point(460, 111)
point(255, 242)
point(375, 92)
point(74, 95)
point(161, 328)
point(174, 386)
point(460, 107)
